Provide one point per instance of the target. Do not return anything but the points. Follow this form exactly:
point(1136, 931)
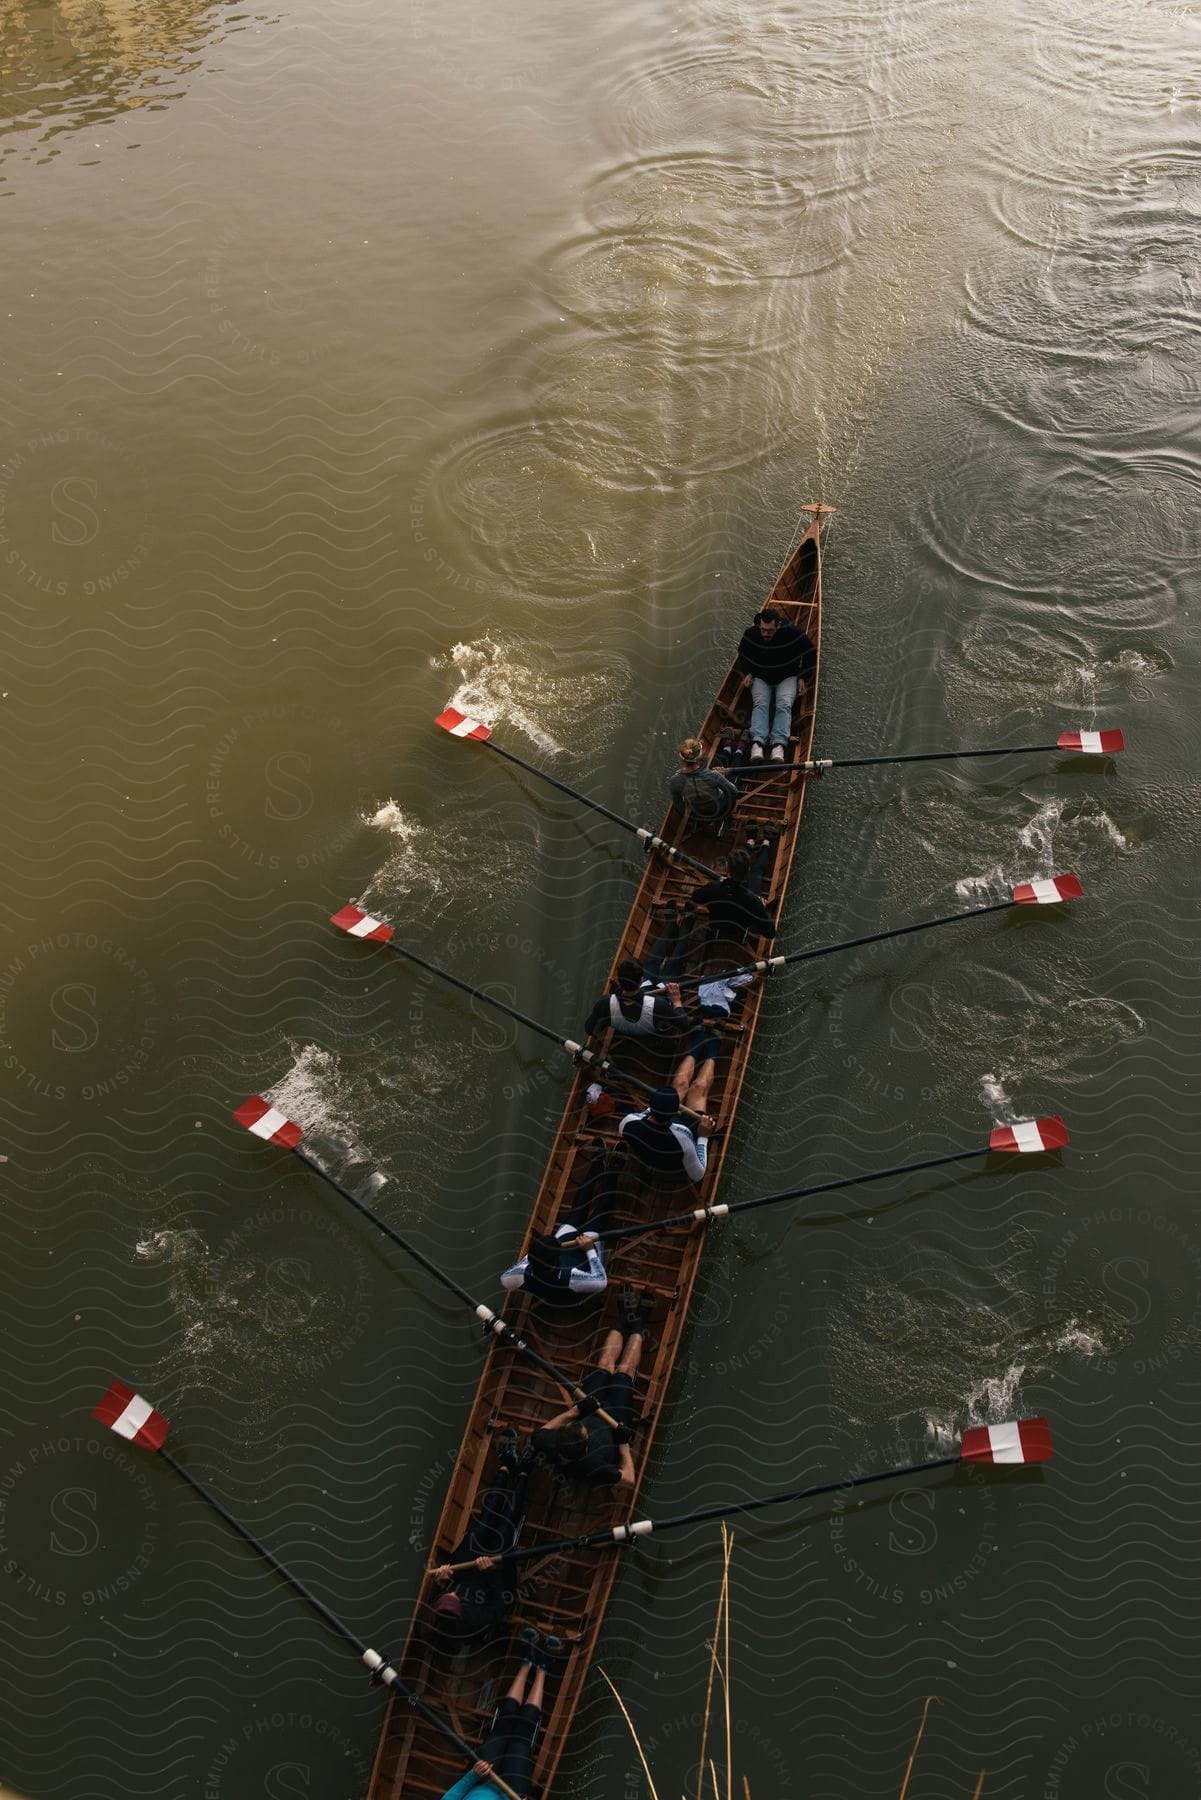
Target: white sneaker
point(756, 752)
point(777, 753)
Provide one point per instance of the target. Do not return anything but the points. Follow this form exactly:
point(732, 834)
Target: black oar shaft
point(492, 1320)
point(376, 1662)
point(578, 1052)
point(767, 964)
point(648, 837)
point(728, 1509)
point(705, 1215)
point(818, 765)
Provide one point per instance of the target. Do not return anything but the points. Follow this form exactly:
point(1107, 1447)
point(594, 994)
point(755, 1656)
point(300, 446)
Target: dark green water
point(355, 358)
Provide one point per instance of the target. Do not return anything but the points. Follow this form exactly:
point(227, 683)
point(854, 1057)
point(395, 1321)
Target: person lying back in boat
point(475, 1602)
point(777, 661)
point(658, 1138)
point(579, 1443)
point(508, 1749)
point(704, 796)
point(732, 905)
point(568, 1263)
point(628, 1011)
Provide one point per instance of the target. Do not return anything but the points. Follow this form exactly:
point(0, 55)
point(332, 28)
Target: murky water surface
point(358, 358)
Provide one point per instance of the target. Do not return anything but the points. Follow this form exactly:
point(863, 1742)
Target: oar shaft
point(727, 1509)
point(649, 837)
point(363, 1650)
point(492, 1320)
point(579, 1052)
point(818, 765)
point(704, 1215)
point(768, 964)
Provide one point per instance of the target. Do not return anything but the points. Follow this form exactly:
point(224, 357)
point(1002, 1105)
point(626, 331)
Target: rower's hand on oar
point(485, 1562)
point(707, 1123)
point(443, 1572)
point(482, 1769)
point(586, 1241)
point(672, 990)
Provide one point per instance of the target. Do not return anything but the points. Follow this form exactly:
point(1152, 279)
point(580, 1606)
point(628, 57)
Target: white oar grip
point(640, 1528)
point(379, 1668)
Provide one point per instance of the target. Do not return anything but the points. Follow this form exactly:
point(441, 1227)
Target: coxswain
point(777, 661)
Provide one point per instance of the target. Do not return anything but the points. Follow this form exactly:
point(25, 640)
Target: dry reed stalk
point(713, 1664)
point(650, 1780)
point(917, 1740)
point(980, 1785)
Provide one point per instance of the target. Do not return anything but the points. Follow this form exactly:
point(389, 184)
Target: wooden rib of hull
point(568, 1595)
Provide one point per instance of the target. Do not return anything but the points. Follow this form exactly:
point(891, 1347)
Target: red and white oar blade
point(360, 924)
point(1047, 892)
point(265, 1121)
point(460, 725)
point(1021, 1441)
point(1029, 1136)
point(131, 1417)
point(1092, 743)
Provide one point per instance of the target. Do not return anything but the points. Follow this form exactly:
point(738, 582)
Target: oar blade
point(1020, 1441)
point(361, 925)
point(1048, 891)
point(462, 725)
point(1028, 1137)
point(259, 1117)
point(131, 1417)
point(1092, 743)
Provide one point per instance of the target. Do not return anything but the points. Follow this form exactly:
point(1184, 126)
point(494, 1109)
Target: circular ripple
point(556, 506)
point(1117, 55)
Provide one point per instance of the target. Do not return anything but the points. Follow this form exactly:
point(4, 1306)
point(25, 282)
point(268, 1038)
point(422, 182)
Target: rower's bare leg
point(683, 1076)
point(608, 1357)
point(697, 1097)
point(633, 1354)
point(538, 1688)
point(517, 1690)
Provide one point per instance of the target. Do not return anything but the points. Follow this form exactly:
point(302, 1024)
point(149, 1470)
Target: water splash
point(316, 1094)
point(997, 1100)
point(494, 684)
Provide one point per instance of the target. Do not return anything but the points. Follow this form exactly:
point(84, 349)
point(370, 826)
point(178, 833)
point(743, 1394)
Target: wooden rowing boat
point(568, 1593)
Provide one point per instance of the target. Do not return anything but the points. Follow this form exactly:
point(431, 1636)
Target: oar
point(356, 923)
point(1019, 1441)
point(461, 726)
point(135, 1419)
point(1049, 891)
point(1086, 743)
point(1025, 1137)
point(263, 1120)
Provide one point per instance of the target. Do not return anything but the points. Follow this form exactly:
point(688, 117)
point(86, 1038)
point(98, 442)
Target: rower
point(704, 796)
point(656, 1136)
point(628, 1011)
point(777, 660)
point(475, 1602)
point(733, 906)
point(579, 1443)
point(560, 1272)
point(508, 1749)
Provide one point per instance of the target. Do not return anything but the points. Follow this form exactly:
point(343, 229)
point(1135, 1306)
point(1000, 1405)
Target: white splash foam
point(1079, 1340)
point(493, 684)
point(172, 1247)
point(997, 1100)
point(314, 1093)
point(993, 1399)
point(1038, 835)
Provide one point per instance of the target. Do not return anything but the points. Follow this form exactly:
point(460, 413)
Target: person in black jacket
point(733, 906)
point(475, 1602)
point(777, 661)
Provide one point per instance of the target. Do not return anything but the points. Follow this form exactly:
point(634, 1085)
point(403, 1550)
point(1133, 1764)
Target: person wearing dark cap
point(776, 661)
point(657, 1137)
point(475, 1602)
point(629, 1011)
point(508, 1749)
point(704, 796)
point(580, 1443)
point(559, 1271)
